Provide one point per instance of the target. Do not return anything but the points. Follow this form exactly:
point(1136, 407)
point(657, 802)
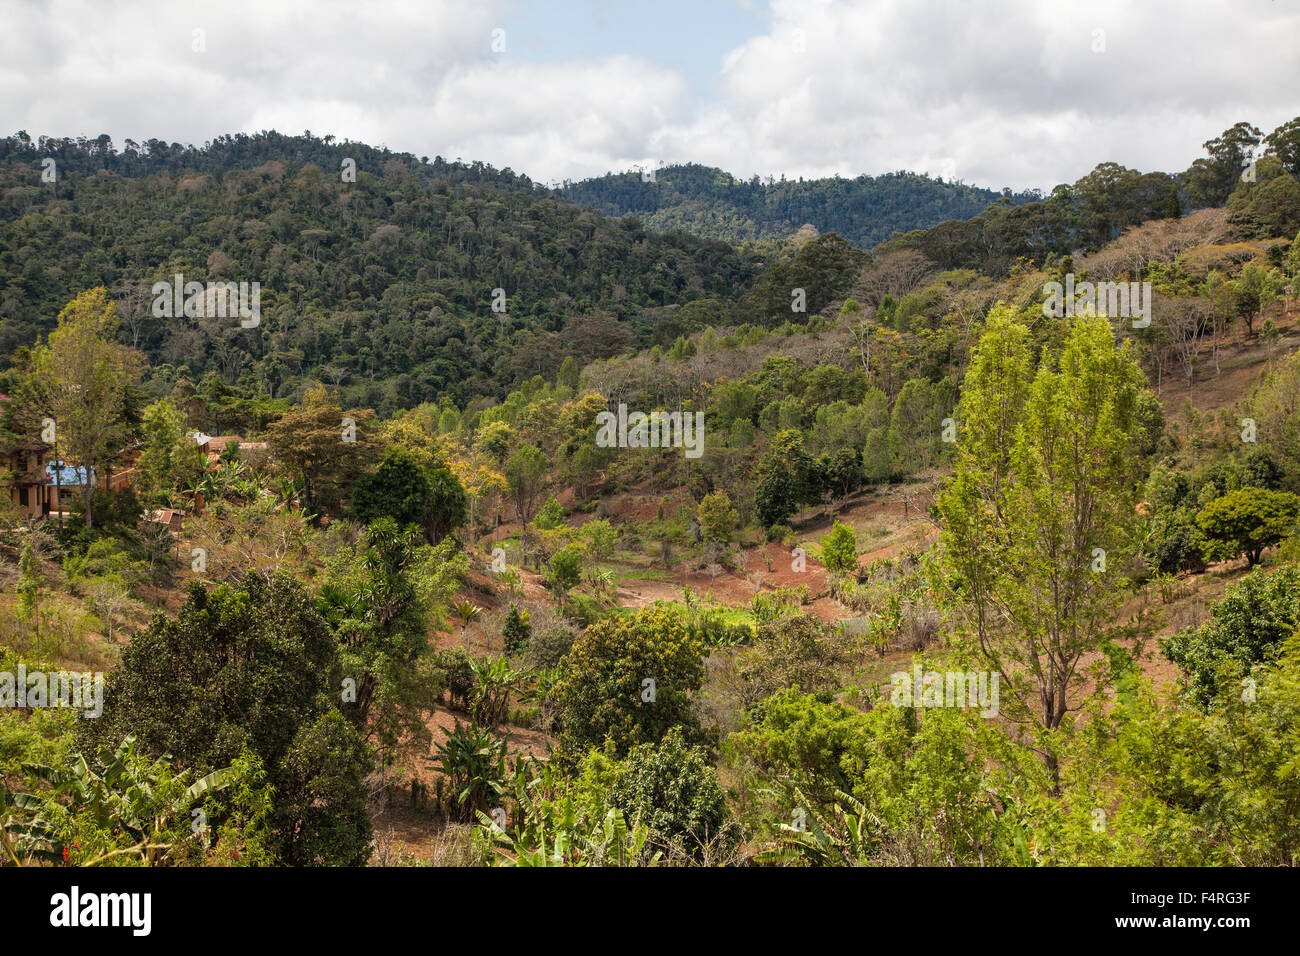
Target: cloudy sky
point(1014, 93)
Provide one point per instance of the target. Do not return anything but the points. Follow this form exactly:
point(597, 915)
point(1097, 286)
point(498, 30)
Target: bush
point(605, 688)
point(1178, 548)
point(565, 569)
point(550, 642)
point(1246, 627)
point(453, 671)
point(516, 630)
point(920, 627)
point(839, 550)
point(1247, 521)
point(796, 651)
point(674, 790)
point(718, 519)
point(550, 517)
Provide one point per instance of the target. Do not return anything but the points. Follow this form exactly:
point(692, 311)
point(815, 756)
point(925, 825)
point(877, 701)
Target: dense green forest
point(713, 204)
point(386, 283)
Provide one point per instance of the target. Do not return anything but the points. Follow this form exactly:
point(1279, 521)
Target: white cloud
point(1003, 92)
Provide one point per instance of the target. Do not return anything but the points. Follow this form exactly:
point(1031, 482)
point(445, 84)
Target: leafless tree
point(895, 275)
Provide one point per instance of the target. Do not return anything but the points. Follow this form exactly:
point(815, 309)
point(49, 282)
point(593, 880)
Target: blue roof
point(68, 475)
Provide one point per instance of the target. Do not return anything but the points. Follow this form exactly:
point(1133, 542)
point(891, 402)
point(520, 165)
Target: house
point(173, 518)
point(29, 483)
point(29, 475)
point(39, 488)
point(36, 489)
point(216, 445)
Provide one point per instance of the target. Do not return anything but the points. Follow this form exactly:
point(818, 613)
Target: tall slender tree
point(1037, 516)
point(86, 377)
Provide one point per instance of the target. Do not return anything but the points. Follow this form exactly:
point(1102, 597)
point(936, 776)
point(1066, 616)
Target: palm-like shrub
point(473, 760)
point(495, 679)
point(554, 829)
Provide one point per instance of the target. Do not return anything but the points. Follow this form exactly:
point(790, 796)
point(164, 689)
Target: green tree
point(251, 666)
point(517, 629)
point(1276, 405)
point(321, 789)
point(1036, 518)
point(565, 569)
point(718, 519)
point(784, 479)
point(839, 550)
point(87, 378)
point(324, 448)
point(1284, 143)
point(168, 456)
point(526, 472)
point(1246, 521)
point(629, 680)
point(409, 492)
point(673, 789)
point(1247, 626)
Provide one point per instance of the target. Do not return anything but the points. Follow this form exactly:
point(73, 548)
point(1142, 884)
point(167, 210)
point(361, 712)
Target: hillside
point(712, 204)
point(384, 285)
point(642, 587)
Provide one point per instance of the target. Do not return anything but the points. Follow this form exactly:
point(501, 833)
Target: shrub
point(1247, 626)
point(1247, 521)
point(718, 519)
point(839, 550)
point(565, 569)
point(517, 629)
point(604, 688)
point(672, 788)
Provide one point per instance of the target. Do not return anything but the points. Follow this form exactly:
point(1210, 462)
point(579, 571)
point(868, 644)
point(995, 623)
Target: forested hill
point(712, 204)
point(383, 285)
point(83, 156)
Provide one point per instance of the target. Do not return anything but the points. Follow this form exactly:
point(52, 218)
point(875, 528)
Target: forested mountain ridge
point(1253, 174)
point(711, 203)
point(384, 284)
point(83, 156)
point(400, 280)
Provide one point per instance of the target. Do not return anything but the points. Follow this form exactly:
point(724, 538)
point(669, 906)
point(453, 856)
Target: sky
point(1019, 93)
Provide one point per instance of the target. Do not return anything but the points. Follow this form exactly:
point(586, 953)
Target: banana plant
point(290, 492)
point(496, 679)
point(603, 582)
point(843, 837)
point(466, 611)
point(125, 796)
point(473, 759)
point(513, 582)
point(540, 691)
point(551, 832)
